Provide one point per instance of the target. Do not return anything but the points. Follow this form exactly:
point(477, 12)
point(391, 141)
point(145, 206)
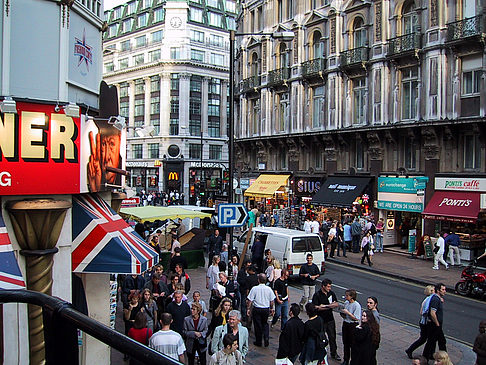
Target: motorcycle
point(471, 283)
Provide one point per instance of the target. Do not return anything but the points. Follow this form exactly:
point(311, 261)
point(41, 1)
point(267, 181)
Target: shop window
point(153, 150)
point(137, 151)
point(472, 152)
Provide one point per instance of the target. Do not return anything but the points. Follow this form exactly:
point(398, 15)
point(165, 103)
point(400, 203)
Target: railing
point(354, 56)
point(313, 67)
point(61, 322)
point(278, 76)
point(404, 43)
point(250, 83)
point(465, 28)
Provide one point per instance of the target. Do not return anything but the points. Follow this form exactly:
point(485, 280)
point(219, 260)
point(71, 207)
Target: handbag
point(321, 339)
point(436, 249)
point(284, 361)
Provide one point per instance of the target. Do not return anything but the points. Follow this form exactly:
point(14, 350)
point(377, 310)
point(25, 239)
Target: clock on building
point(175, 22)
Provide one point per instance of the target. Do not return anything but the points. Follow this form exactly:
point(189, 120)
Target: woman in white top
point(332, 238)
point(269, 270)
point(212, 276)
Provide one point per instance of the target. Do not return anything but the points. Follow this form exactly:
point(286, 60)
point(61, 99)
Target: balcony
point(353, 61)
point(278, 77)
point(313, 69)
point(250, 84)
point(466, 31)
point(405, 45)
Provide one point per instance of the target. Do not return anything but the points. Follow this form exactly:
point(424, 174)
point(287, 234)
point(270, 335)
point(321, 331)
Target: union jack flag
point(103, 242)
point(10, 275)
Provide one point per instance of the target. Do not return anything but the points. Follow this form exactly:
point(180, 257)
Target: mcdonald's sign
point(173, 176)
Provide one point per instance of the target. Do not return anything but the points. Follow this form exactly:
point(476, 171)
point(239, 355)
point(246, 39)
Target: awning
point(266, 185)
point(340, 191)
point(453, 206)
point(103, 242)
point(151, 213)
point(10, 275)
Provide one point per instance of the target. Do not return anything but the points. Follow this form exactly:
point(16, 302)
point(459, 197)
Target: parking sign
point(232, 215)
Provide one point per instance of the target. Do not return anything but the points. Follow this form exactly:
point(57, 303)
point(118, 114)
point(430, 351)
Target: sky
point(109, 4)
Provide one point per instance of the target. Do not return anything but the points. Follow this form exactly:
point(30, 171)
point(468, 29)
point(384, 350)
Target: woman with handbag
point(366, 244)
point(315, 341)
point(140, 333)
point(195, 332)
point(149, 307)
point(366, 340)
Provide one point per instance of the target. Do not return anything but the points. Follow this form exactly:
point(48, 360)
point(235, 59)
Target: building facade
point(169, 61)
point(372, 88)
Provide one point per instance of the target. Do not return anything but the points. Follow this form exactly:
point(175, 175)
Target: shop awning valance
point(151, 213)
point(453, 206)
point(266, 185)
point(340, 191)
point(103, 242)
point(10, 275)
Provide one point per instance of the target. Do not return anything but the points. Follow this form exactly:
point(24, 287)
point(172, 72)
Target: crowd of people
point(160, 198)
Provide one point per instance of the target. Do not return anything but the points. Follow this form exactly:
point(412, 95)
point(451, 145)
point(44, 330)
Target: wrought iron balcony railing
point(354, 56)
point(465, 28)
point(278, 76)
point(250, 84)
point(404, 43)
point(313, 67)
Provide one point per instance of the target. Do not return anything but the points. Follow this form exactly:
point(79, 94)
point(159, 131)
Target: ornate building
point(169, 60)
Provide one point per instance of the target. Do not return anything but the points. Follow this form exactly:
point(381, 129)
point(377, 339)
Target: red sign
point(453, 206)
point(39, 151)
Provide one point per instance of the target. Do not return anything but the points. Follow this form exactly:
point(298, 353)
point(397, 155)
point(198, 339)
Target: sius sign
point(307, 187)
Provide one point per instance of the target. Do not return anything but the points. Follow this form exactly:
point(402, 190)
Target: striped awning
point(103, 242)
point(266, 185)
point(10, 275)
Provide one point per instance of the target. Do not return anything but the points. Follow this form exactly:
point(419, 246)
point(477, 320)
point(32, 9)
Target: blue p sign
point(229, 213)
point(232, 215)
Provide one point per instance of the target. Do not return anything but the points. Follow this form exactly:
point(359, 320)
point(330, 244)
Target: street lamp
point(284, 36)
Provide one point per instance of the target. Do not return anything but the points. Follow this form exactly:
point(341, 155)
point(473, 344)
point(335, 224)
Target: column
point(224, 104)
point(164, 104)
point(184, 82)
point(204, 105)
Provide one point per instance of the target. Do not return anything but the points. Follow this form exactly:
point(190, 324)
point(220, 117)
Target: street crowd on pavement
point(232, 320)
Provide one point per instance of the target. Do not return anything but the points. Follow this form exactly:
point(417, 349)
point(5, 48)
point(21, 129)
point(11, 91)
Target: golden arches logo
point(173, 176)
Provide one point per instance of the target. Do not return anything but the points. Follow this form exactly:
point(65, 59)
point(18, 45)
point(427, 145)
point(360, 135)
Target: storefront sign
point(131, 202)
point(244, 183)
point(307, 187)
point(460, 184)
point(207, 165)
point(402, 194)
point(402, 206)
point(138, 164)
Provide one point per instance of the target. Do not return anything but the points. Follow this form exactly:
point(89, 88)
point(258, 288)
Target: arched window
point(282, 56)
point(255, 66)
point(359, 33)
point(409, 18)
point(316, 49)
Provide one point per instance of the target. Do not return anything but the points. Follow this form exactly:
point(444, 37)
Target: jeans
point(454, 250)
point(260, 321)
point(281, 310)
point(330, 329)
point(342, 245)
point(309, 291)
point(434, 334)
point(356, 239)
point(379, 242)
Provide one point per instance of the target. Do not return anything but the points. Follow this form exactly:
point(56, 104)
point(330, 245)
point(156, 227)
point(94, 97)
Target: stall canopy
point(340, 191)
point(453, 206)
point(103, 242)
point(265, 185)
point(151, 213)
point(10, 275)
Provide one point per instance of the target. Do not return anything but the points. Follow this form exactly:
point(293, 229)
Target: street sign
point(232, 215)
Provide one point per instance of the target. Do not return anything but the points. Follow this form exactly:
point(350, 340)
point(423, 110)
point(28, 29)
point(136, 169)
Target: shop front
point(207, 184)
point(400, 203)
point(268, 192)
point(459, 205)
point(144, 175)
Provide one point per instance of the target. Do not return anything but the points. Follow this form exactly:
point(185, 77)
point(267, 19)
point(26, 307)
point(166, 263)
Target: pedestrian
point(308, 274)
point(332, 239)
point(140, 333)
point(229, 355)
point(340, 239)
point(315, 225)
point(220, 315)
point(224, 253)
point(261, 299)
point(234, 328)
point(424, 309)
point(167, 341)
point(175, 243)
point(215, 245)
point(131, 309)
point(367, 246)
point(154, 243)
point(453, 241)
point(149, 307)
point(281, 290)
point(196, 298)
point(348, 237)
point(130, 284)
point(291, 340)
point(439, 249)
point(442, 358)
point(325, 300)
point(179, 310)
point(212, 275)
point(177, 259)
point(356, 235)
point(269, 270)
point(233, 267)
point(311, 351)
point(242, 280)
point(351, 312)
point(480, 344)
point(195, 331)
point(372, 305)
point(419, 360)
point(366, 339)
point(307, 225)
point(380, 226)
point(435, 331)
point(228, 286)
point(184, 279)
point(159, 290)
point(257, 253)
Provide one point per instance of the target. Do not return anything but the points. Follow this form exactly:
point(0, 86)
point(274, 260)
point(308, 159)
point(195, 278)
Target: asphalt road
point(401, 301)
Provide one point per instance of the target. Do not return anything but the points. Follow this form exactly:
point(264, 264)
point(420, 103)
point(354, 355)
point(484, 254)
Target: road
point(400, 300)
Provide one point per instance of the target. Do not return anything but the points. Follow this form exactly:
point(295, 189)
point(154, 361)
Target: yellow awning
point(266, 185)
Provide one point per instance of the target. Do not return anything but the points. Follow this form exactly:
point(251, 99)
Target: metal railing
point(354, 56)
point(404, 43)
point(465, 28)
point(313, 67)
point(278, 76)
point(61, 322)
point(250, 84)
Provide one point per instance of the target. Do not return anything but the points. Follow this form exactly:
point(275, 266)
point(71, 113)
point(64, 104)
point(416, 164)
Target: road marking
point(344, 288)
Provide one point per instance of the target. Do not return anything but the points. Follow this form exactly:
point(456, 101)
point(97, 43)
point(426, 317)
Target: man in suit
point(195, 331)
point(235, 328)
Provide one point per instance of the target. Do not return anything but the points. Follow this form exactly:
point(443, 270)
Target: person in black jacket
point(131, 283)
point(159, 291)
point(179, 310)
point(366, 339)
point(184, 279)
point(291, 340)
point(215, 245)
point(242, 279)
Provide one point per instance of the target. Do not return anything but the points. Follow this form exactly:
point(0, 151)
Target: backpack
point(373, 229)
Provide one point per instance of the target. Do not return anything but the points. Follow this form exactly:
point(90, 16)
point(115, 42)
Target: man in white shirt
point(168, 342)
point(307, 226)
point(314, 225)
point(261, 300)
point(439, 255)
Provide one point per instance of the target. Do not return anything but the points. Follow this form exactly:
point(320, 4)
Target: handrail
point(61, 322)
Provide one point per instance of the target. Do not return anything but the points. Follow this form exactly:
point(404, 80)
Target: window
point(153, 150)
point(155, 83)
point(93, 5)
point(231, 23)
point(217, 59)
point(216, 40)
point(123, 90)
point(317, 106)
point(409, 92)
point(113, 30)
point(123, 63)
point(410, 152)
point(137, 151)
point(470, 82)
point(154, 55)
point(146, 3)
point(194, 150)
point(280, 11)
point(318, 159)
point(127, 25)
point(472, 152)
point(290, 9)
point(140, 41)
point(359, 108)
point(156, 124)
point(138, 59)
point(195, 105)
point(109, 67)
point(154, 105)
point(213, 128)
point(194, 127)
point(213, 3)
point(125, 45)
point(157, 36)
point(359, 157)
point(409, 18)
point(174, 82)
point(117, 12)
point(124, 109)
point(132, 8)
point(158, 15)
point(139, 107)
point(213, 107)
point(196, 15)
point(197, 55)
point(215, 152)
point(174, 105)
point(175, 53)
point(139, 86)
point(306, 244)
point(231, 6)
point(197, 36)
point(174, 127)
point(142, 20)
point(359, 33)
point(377, 97)
point(214, 86)
point(215, 19)
point(283, 112)
point(196, 83)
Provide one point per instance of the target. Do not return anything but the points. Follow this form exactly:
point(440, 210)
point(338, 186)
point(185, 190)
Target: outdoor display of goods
point(472, 240)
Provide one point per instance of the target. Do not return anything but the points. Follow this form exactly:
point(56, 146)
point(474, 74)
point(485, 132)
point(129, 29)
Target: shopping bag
point(284, 361)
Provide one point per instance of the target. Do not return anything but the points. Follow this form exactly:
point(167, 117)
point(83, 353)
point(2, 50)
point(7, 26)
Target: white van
point(289, 246)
